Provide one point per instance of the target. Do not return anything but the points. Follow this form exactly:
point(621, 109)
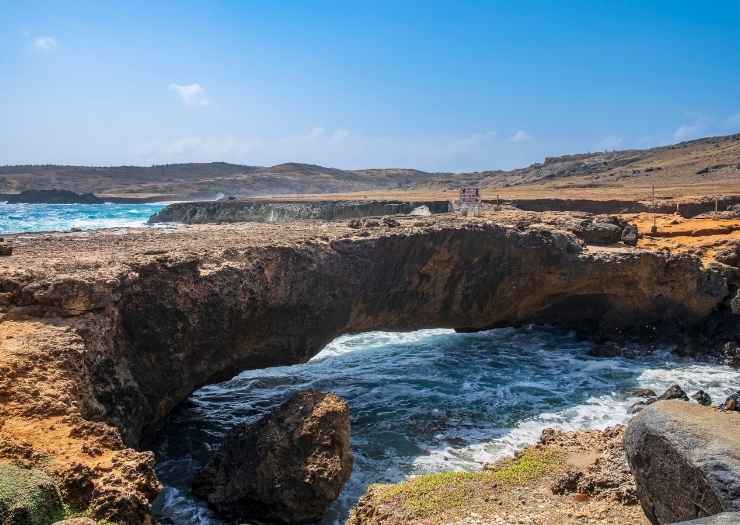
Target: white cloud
point(339, 135)
point(687, 131)
point(521, 136)
point(609, 143)
point(45, 43)
point(192, 95)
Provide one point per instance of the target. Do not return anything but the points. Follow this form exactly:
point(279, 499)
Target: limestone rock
point(28, 497)
point(725, 518)
point(674, 392)
point(644, 392)
point(702, 398)
point(732, 403)
point(685, 459)
point(629, 235)
point(288, 467)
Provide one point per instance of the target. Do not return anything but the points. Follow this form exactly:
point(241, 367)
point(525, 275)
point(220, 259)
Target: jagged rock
point(390, 222)
point(287, 467)
point(732, 402)
point(28, 497)
point(643, 392)
point(629, 235)
point(603, 231)
point(637, 407)
point(566, 482)
point(355, 223)
point(685, 459)
point(702, 398)
point(247, 210)
point(729, 255)
point(731, 354)
point(735, 303)
point(725, 518)
point(674, 392)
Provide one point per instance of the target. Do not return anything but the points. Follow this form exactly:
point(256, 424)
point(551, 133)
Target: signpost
point(470, 200)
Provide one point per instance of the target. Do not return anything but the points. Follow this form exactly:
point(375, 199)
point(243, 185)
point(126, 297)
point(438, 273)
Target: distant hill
point(712, 160)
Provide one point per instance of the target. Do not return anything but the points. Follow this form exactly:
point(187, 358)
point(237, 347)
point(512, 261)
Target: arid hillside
point(700, 167)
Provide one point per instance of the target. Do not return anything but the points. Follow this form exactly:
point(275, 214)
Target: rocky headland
point(103, 333)
point(226, 211)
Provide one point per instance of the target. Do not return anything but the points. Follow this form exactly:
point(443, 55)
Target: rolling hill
point(700, 166)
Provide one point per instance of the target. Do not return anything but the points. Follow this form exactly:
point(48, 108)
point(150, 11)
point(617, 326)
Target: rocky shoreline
point(97, 348)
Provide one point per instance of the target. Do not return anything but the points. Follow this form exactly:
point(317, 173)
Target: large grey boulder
point(686, 460)
point(726, 518)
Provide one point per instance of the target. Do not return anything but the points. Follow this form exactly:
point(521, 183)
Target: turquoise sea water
point(427, 401)
point(17, 218)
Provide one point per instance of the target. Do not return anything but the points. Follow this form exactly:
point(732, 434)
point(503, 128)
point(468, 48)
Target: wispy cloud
point(521, 136)
point(45, 43)
point(191, 95)
point(687, 131)
point(342, 147)
point(609, 143)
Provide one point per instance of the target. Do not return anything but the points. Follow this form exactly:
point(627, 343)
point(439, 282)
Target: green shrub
point(28, 497)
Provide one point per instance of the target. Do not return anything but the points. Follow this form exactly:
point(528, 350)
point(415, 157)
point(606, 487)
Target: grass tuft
point(435, 496)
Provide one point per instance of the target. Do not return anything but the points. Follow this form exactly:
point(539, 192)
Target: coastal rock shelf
point(102, 334)
point(225, 211)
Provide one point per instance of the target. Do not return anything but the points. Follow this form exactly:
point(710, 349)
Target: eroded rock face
point(284, 211)
point(134, 323)
point(288, 467)
point(685, 459)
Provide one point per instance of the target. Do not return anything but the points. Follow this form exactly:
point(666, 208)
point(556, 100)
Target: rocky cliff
point(97, 348)
point(284, 211)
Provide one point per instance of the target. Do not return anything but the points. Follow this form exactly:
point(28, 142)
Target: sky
point(439, 86)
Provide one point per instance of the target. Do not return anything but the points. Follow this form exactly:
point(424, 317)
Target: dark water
point(426, 401)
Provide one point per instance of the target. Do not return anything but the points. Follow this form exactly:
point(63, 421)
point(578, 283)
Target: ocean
point(427, 401)
point(18, 218)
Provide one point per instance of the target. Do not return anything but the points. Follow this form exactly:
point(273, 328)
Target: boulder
point(674, 392)
point(76, 521)
point(685, 459)
point(599, 232)
point(702, 398)
point(643, 392)
point(726, 518)
point(629, 235)
point(28, 497)
point(288, 467)
point(732, 403)
point(5, 249)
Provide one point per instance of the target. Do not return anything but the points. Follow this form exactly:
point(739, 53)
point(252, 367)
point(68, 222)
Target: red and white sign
point(470, 196)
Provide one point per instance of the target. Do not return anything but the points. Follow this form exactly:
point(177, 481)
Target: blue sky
point(431, 85)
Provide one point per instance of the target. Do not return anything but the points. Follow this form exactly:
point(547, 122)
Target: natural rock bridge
point(102, 334)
